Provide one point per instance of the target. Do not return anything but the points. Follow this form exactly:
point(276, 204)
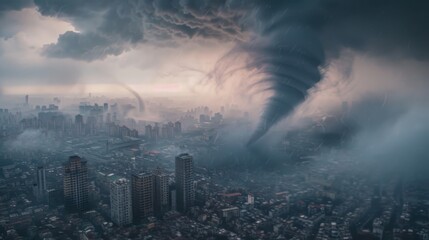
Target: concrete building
point(76, 195)
point(142, 188)
point(161, 192)
point(41, 183)
point(120, 202)
point(185, 191)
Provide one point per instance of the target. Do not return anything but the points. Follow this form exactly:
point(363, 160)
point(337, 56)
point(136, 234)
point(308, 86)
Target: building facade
point(76, 195)
point(41, 183)
point(120, 202)
point(161, 192)
point(185, 191)
point(142, 188)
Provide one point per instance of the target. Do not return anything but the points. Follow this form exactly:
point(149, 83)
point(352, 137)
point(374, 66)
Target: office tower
point(91, 124)
point(156, 132)
point(173, 198)
point(76, 196)
point(108, 118)
point(26, 100)
point(78, 121)
point(161, 192)
point(164, 131)
point(142, 185)
point(120, 202)
point(170, 130)
point(54, 197)
point(105, 107)
point(177, 128)
point(41, 183)
point(185, 191)
point(148, 131)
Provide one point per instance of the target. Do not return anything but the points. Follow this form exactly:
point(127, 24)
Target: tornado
point(290, 61)
point(136, 95)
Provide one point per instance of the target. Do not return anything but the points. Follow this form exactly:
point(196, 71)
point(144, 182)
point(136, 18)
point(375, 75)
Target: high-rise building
point(156, 132)
point(78, 121)
point(177, 128)
point(120, 202)
point(161, 192)
point(76, 195)
point(173, 198)
point(185, 191)
point(41, 183)
point(105, 107)
point(148, 131)
point(142, 186)
point(170, 130)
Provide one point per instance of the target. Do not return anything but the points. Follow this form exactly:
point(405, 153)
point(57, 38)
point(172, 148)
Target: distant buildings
point(166, 131)
point(185, 191)
point(178, 128)
point(230, 213)
point(120, 202)
point(78, 121)
point(115, 130)
point(378, 228)
point(76, 195)
point(142, 186)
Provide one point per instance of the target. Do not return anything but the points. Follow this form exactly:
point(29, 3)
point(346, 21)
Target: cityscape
point(214, 120)
point(95, 178)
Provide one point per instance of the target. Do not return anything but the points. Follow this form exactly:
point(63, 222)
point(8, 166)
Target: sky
point(26, 69)
point(281, 59)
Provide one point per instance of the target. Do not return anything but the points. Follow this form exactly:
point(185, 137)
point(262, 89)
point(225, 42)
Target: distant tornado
point(289, 61)
point(136, 95)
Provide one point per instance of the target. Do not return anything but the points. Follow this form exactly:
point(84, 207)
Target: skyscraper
point(120, 202)
point(78, 121)
point(161, 192)
point(41, 183)
point(76, 195)
point(184, 182)
point(155, 132)
point(177, 128)
point(148, 131)
point(142, 185)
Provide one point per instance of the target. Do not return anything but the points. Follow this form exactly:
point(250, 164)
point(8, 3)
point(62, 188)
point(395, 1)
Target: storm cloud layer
point(289, 42)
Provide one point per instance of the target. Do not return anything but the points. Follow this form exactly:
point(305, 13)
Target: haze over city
point(214, 119)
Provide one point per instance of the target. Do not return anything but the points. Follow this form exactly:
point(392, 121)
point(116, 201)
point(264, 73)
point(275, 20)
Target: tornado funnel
point(289, 62)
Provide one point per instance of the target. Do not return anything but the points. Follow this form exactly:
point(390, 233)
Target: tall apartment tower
point(185, 192)
point(120, 202)
point(161, 196)
point(76, 195)
point(41, 183)
point(142, 188)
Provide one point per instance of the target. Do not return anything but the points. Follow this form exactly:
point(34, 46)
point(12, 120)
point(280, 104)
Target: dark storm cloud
point(88, 46)
point(110, 27)
point(7, 28)
point(288, 41)
point(9, 5)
